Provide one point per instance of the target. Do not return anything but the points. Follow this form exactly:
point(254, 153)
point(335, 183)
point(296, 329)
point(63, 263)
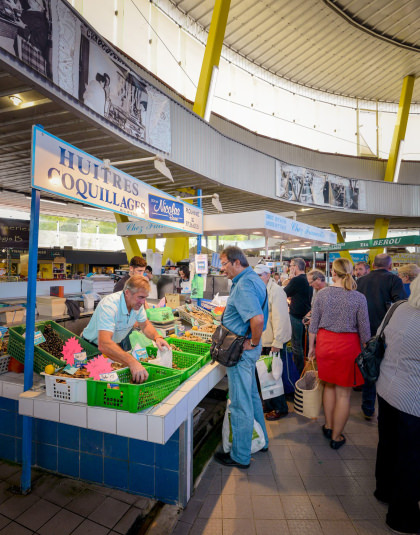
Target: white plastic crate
point(4, 364)
point(201, 334)
point(184, 314)
point(66, 388)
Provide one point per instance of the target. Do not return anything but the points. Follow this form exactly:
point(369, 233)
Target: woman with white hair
point(398, 387)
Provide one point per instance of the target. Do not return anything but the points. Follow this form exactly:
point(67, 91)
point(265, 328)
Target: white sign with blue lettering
point(62, 169)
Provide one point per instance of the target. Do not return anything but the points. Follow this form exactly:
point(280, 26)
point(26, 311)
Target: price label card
point(80, 359)
point(111, 377)
point(3, 332)
point(38, 338)
point(71, 370)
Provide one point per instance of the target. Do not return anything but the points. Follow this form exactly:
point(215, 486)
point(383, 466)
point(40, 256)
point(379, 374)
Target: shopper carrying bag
point(308, 392)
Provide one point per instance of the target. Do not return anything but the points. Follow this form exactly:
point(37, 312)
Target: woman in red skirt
point(340, 325)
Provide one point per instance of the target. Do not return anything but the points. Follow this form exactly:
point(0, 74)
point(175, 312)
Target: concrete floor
point(60, 505)
point(300, 486)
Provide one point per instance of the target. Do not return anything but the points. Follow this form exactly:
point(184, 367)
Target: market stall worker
point(114, 318)
point(137, 267)
point(185, 284)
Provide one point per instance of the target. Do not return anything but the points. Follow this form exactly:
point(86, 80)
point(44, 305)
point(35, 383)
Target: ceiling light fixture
point(17, 101)
point(215, 200)
point(159, 163)
point(91, 208)
point(305, 209)
point(48, 200)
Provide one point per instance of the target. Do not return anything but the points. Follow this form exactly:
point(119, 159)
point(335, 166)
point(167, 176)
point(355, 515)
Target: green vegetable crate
point(16, 347)
point(133, 397)
point(186, 363)
point(194, 348)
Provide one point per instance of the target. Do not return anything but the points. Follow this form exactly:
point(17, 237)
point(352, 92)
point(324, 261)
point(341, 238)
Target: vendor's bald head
point(136, 290)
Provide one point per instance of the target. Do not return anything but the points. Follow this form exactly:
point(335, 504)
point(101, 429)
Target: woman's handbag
point(308, 392)
point(369, 360)
point(227, 347)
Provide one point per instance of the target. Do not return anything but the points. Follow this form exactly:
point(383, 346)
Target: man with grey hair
point(275, 336)
point(300, 294)
point(316, 280)
point(246, 314)
point(115, 317)
point(381, 288)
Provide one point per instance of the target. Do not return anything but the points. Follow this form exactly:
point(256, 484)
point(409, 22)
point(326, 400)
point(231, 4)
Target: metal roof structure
point(352, 48)
point(38, 108)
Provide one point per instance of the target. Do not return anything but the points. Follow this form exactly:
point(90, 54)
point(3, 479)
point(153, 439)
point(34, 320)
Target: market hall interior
point(310, 108)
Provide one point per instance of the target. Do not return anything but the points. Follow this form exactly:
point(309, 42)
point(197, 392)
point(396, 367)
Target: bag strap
point(389, 314)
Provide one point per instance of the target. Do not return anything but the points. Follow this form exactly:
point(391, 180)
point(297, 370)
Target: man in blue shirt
point(246, 314)
point(114, 318)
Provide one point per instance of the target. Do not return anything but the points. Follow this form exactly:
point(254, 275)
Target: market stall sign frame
point(400, 241)
point(64, 170)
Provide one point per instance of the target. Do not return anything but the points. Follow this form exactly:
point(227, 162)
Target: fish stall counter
point(149, 453)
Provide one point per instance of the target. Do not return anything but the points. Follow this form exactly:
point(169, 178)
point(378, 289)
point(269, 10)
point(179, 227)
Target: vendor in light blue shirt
point(115, 317)
point(246, 315)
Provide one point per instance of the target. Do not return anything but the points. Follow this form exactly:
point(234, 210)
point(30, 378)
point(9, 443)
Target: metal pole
point(266, 247)
point(25, 481)
point(313, 260)
point(199, 238)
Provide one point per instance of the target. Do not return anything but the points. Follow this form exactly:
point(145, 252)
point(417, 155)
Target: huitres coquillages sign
point(62, 169)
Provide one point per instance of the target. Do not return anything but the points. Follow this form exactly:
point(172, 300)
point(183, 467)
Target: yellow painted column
point(344, 254)
point(130, 242)
point(380, 230)
point(176, 249)
point(151, 244)
point(211, 54)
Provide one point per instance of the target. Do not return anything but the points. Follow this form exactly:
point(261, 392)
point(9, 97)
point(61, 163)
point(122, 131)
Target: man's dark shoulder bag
point(369, 360)
point(227, 347)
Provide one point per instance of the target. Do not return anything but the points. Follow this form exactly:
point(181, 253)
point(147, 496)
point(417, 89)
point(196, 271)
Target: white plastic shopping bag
point(276, 366)
point(164, 357)
point(270, 387)
point(258, 440)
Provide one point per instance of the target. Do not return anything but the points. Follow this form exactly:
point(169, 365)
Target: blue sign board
point(165, 209)
point(357, 257)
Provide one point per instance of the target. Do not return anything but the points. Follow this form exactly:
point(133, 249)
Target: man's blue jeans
point(297, 341)
point(245, 405)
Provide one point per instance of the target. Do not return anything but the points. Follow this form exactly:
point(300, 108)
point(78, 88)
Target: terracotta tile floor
point(299, 486)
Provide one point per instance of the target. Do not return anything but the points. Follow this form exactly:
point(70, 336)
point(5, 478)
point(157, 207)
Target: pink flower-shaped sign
point(71, 347)
point(97, 366)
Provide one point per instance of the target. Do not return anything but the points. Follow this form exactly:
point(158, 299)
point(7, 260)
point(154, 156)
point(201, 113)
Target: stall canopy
point(269, 225)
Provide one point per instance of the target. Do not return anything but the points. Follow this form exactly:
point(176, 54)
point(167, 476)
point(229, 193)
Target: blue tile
point(175, 436)
point(91, 441)
point(115, 447)
point(7, 448)
point(142, 479)
point(68, 462)
point(91, 467)
point(19, 425)
point(8, 404)
point(116, 473)
point(46, 432)
point(8, 423)
point(166, 485)
point(141, 452)
point(18, 455)
point(167, 456)
point(68, 436)
point(46, 456)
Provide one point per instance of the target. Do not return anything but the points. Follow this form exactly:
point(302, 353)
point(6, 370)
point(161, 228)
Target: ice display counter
point(147, 453)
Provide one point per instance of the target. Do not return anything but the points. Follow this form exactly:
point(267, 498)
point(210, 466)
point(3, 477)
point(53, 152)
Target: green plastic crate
point(125, 396)
point(187, 363)
point(189, 346)
point(16, 347)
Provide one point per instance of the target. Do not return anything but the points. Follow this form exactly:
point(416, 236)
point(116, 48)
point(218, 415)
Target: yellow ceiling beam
point(211, 54)
point(340, 239)
point(380, 230)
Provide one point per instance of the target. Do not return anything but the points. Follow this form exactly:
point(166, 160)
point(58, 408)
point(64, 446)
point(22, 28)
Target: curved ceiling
point(353, 48)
